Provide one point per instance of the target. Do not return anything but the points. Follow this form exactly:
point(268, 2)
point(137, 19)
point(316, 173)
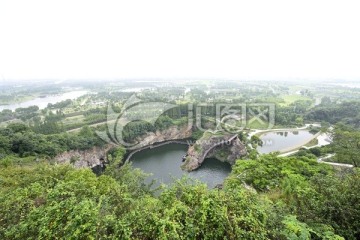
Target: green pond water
point(164, 163)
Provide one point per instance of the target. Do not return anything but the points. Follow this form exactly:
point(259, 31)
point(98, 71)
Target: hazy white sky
point(179, 39)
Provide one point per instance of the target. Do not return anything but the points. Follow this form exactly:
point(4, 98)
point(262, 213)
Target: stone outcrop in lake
point(226, 148)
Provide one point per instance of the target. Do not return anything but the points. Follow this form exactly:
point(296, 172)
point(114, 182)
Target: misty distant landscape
point(179, 120)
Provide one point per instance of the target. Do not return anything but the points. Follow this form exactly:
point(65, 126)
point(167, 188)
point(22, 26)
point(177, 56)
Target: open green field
point(258, 125)
point(74, 119)
point(289, 99)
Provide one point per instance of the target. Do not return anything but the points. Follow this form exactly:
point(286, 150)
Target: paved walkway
point(257, 131)
point(321, 160)
point(323, 140)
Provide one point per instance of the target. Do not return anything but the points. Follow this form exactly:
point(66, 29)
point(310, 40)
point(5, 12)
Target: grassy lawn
point(17, 99)
point(292, 98)
point(258, 125)
point(313, 142)
point(74, 119)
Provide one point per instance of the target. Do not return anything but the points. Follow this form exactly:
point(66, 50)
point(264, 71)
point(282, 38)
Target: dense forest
point(20, 140)
point(346, 112)
point(267, 198)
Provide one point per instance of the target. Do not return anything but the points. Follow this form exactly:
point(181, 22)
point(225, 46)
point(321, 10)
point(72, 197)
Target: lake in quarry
point(284, 140)
point(164, 163)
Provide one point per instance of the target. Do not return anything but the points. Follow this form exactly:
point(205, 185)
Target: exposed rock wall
point(91, 157)
point(84, 158)
point(229, 153)
point(172, 133)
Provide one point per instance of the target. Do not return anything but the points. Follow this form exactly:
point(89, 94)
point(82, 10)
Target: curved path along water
point(323, 138)
point(258, 131)
point(280, 141)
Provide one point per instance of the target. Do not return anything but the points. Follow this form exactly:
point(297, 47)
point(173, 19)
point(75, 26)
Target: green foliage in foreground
point(321, 198)
point(61, 202)
point(303, 201)
point(268, 172)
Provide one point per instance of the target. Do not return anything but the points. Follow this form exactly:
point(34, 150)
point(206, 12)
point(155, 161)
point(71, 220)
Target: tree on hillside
point(347, 145)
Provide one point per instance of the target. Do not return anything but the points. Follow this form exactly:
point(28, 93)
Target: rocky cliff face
point(91, 157)
point(84, 158)
point(229, 153)
point(172, 133)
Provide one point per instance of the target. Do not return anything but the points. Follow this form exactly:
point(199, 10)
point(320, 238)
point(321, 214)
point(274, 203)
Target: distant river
point(284, 140)
point(43, 102)
point(164, 163)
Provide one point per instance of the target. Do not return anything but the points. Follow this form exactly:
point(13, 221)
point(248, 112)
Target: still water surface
point(43, 102)
point(284, 141)
point(164, 163)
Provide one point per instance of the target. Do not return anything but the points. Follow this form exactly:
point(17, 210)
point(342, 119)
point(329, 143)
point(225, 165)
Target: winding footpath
point(258, 131)
point(323, 138)
point(321, 160)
